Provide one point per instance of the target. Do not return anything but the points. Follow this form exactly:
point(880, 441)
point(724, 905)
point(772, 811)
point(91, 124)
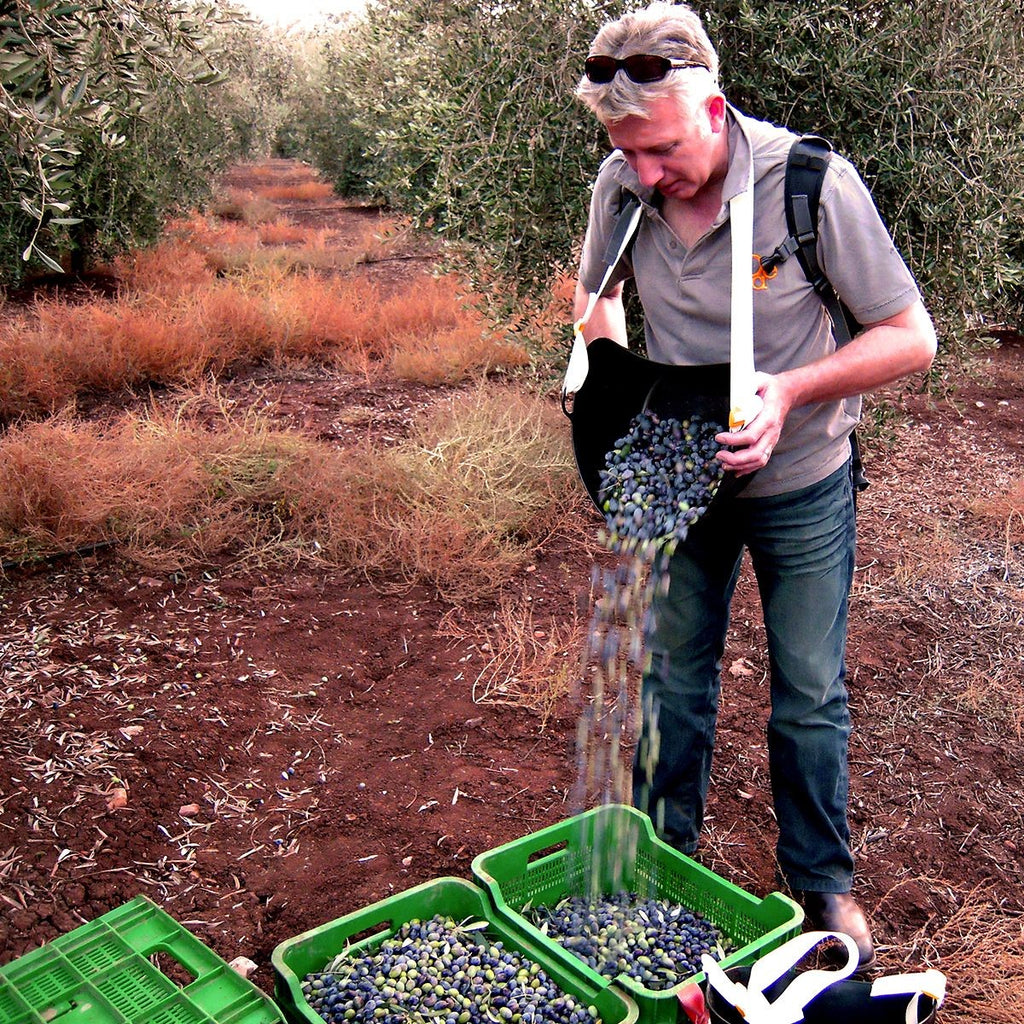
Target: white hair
point(664, 29)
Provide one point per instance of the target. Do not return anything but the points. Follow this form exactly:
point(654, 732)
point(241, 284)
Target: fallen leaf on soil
point(129, 731)
point(243, 965)
point(118, 798)
point(741, 667)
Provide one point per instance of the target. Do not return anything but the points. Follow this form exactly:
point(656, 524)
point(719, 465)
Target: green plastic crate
point(104, 973)
point(613, 849)
point(365, 929)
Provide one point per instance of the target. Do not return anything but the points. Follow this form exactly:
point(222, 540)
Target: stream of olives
point(658, 480)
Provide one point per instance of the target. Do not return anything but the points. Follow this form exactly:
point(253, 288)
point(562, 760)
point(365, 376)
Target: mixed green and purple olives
point(654, 942)
point(659, 479)
point(443, 972)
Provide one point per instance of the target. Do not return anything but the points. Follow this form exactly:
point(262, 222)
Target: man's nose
point(648, 170)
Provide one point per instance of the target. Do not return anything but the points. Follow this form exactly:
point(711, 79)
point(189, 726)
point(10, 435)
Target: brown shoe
point(839, 912)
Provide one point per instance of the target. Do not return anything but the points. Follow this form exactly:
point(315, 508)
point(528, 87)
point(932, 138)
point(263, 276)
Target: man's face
point(674, 150)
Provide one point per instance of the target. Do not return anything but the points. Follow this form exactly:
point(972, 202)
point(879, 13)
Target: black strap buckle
point(782, 253)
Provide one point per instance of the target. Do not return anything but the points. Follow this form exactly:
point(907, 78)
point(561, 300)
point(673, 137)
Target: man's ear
point(716, 111)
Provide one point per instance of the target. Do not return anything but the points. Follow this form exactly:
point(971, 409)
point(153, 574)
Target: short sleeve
point(605, 203)
point(856, 250)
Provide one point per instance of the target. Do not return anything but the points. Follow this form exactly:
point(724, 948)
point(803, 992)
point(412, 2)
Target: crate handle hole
point(57, 1011)
point(370, 932)
point(172, 968)
point(547, 851)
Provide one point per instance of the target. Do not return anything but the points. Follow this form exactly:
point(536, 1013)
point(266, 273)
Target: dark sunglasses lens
point(641, 68)
point(600, 70)
point(644, 67)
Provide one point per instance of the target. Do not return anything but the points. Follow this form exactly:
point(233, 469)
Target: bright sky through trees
point(299, 12)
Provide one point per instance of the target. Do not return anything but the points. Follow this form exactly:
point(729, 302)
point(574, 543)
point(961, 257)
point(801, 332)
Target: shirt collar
point(738, 176)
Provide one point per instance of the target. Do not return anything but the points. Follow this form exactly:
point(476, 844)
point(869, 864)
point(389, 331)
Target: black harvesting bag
point(621, 384)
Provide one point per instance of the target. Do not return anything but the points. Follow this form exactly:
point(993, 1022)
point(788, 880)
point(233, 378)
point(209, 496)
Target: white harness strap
point(744, 404)
point(788, 1008)
point(579, 364)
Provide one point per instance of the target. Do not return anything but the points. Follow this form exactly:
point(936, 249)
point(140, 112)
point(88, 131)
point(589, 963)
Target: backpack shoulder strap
point(805, 172)
point(808, 159)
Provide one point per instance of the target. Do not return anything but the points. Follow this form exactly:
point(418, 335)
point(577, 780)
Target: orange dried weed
point(307, 190)
point(282, 232)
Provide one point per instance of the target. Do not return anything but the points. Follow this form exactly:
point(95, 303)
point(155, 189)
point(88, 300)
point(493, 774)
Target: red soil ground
point(295, 745)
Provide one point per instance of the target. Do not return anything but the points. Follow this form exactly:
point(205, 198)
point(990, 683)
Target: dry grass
point(1007, 505)
point(209, 235)
point(99, 346)
point(30, 384)
point(282, 232)
point(386, 238)
point(460, 508)
point(944, 549)
point(246, 207)
point(979, 946)
point(526, 666)
point(548, 319)
point(449, 357)
point(235, 247)
point(541, 323)
point(965, 566)
point(464, 502)
point(174, 322)
point(305, 190)
point(167, 272)
point(996, 697)
point(1005, 513)
point(168, 491)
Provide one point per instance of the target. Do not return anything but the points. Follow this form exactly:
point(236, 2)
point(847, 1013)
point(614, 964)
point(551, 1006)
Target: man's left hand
point(747, 450)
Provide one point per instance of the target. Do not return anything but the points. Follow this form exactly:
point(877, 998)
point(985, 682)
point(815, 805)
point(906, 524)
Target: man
point(651, 79)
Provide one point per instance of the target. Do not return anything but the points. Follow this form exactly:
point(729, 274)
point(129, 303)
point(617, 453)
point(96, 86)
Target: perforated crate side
point(544, 867)
point(309, 952)
point(104, 973)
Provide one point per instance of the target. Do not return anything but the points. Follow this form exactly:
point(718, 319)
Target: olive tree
point(462, 114)
point(925, 98)
point(102, 119)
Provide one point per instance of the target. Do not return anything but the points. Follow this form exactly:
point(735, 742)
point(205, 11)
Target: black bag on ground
point(774, 991)
point(847, 1002)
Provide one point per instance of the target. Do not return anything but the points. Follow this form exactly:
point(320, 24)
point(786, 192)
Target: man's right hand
point(752, 445)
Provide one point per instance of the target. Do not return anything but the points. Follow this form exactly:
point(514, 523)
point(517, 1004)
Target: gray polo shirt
point(685, 292)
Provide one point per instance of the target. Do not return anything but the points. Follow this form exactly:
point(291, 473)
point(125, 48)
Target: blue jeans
point(802, 550)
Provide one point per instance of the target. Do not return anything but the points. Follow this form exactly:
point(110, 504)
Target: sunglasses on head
point(639, 67)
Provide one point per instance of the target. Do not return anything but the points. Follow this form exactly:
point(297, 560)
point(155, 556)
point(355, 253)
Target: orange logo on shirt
point(762, 276)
